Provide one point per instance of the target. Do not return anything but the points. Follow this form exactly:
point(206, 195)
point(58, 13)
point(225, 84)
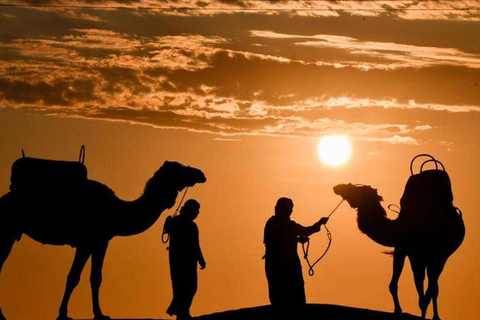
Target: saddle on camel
point(428, 193)
point(32, 173)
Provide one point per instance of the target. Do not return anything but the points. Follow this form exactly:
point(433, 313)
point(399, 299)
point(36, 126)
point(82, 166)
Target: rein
point(181, 201)
point(165, 235)
point(311, 272)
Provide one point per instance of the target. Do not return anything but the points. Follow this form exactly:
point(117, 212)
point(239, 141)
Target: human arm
point(201, 259)
point(302, 231)
point(322, 221)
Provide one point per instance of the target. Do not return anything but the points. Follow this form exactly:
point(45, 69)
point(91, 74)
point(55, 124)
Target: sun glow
point(334, 150)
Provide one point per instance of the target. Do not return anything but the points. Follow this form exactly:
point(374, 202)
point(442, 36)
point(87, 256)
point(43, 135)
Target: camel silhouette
point(87, 215)
point(428, 245)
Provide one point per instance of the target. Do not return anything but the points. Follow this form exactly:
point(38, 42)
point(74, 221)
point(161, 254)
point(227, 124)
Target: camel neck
point(373, 221)
point(139, 215)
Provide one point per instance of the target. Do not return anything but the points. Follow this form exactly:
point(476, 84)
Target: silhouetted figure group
point(184, 255)
point(282, 264)
point(428, 230)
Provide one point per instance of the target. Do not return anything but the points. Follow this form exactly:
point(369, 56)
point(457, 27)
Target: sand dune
point(313, 311)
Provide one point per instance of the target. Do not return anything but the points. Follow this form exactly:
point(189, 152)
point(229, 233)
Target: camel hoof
point(60, 317)
point(101, 317)
point(398, 311)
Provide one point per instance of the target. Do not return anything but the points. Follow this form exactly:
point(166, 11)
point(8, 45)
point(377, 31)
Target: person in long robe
point(282, 265)
point(184, 256)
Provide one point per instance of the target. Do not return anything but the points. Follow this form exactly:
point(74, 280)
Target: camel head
point(175, 176)
point(180, 175)
point(357, 195)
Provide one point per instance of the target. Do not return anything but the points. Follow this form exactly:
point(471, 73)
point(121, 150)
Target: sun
point(334, 150)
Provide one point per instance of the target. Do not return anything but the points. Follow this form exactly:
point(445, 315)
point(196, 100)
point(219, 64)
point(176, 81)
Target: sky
point(243, 90)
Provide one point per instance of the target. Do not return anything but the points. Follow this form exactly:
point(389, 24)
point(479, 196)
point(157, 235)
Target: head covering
point(284, 207)
point(191, 207)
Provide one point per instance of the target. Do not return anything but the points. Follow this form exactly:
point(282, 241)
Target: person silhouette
point(282, 265)
point(184, 254)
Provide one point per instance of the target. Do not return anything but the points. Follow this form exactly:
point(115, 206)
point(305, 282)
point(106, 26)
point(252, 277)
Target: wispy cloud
point(227, 139)
point(353, 103)
point(226, 117)
point(404, 9)
point(394, 55)
point(395, 140)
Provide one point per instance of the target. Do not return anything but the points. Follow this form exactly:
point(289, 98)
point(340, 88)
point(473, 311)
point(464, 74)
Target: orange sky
point(245, 96)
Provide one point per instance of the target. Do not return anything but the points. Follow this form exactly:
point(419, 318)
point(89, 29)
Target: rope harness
point(165, 235)
point(306, 246)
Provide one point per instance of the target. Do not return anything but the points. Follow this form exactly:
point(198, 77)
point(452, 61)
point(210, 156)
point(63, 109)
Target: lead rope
point(81, 156)
point(311, 272)
point(165, 235)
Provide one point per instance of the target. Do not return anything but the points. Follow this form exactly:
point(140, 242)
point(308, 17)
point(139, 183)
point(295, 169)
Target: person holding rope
point(184, 254)
point(282, 265)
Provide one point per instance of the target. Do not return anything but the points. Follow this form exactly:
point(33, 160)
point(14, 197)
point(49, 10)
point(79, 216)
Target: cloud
point(57, 93)
point(461, 10)
point(227, 139)
point(100, 39)
point(394, 55)
point(395, 140)
point(402, 9)
point(225, 86)
point(222, 116)
point(353, 103)
point(422, 127)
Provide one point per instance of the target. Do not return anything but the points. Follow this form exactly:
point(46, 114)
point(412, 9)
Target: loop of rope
point(165, 235)
point(311, 272)
point(392, 205)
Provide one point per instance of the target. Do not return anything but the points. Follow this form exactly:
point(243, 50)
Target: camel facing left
point(87, 216)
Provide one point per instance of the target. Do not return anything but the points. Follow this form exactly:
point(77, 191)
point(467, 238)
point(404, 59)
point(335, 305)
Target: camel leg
point(73, 278)
point(398, 263)
point(433, 272)
point(418, 269)
point(98, 256)
point(6, 244)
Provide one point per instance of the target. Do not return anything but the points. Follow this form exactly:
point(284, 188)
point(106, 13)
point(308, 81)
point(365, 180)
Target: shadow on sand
point(313, 311)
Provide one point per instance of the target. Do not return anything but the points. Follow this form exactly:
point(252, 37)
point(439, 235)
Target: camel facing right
point(87, 216)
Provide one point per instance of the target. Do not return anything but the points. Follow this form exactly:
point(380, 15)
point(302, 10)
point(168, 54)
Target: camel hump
point(32, 174)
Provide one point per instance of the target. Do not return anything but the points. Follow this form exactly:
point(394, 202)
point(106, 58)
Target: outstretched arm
point(307, 231)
